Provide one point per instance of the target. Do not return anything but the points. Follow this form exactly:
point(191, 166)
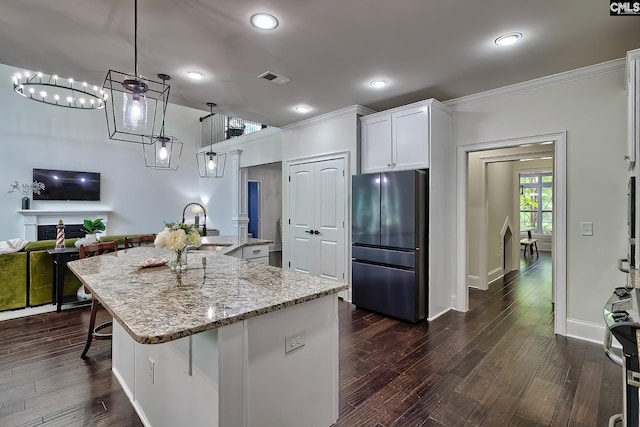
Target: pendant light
point(135, 105)
point(162, 152)
point(134, 98)
point(210, 163)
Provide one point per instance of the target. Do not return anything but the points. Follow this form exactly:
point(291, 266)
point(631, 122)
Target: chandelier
point(162, 152)
point(136, 105)
point(62, 92)
point(210, 163)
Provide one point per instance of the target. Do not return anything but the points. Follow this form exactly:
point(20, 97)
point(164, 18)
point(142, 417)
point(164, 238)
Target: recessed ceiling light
point(195, 75)
point(379, 84)
point(302, 109)
point(508, 39)
point(264, 21)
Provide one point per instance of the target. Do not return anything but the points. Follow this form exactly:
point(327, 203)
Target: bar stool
point(94, 331)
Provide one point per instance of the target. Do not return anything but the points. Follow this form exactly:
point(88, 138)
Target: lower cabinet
point(253, 253)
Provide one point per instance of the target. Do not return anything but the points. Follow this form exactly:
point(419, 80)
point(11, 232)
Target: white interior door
point(329, 219)
point(317, 215)
point(301, 216)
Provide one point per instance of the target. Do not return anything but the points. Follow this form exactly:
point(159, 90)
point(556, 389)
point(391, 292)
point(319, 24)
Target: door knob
point(308, 231)
point(316, 232)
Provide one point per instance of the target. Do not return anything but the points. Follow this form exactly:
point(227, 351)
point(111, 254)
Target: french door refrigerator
point(389, 243)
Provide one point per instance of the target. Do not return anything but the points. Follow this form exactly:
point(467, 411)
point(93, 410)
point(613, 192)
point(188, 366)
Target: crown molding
point(352, 110)
point(542, 82)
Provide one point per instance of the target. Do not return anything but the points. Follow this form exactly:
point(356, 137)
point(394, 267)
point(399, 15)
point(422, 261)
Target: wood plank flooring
point(497, 365)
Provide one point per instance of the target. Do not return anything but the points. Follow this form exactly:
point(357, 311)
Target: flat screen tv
point(67, 185)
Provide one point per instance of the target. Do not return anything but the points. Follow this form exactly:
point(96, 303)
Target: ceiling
point(330, 49)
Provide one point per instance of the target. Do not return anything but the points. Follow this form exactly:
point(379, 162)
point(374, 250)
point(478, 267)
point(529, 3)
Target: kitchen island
point(226, 343)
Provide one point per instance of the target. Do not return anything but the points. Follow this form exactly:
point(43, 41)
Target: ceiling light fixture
point(303, 109)
point(38, 87)
point(378, 84)
point(210, 163)
point(144, 101)
point(195, 75)
point(162, 152)
point(508, 39)
point(264, 21)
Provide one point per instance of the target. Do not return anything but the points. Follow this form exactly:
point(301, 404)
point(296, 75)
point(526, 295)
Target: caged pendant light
point(162, 152)
point(210, 163)
point(136, 105)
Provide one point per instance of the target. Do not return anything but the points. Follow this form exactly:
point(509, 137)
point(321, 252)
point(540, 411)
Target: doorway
point(557, 144)
point(253, 208)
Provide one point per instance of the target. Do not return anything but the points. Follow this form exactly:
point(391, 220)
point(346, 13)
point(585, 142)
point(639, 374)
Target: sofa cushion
point(13, 281)
point(42, 245)
point(41, 279)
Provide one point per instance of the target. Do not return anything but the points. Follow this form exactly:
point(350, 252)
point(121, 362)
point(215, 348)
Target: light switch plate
point(586, 228)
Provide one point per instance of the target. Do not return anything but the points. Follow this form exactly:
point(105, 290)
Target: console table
point(60, 259)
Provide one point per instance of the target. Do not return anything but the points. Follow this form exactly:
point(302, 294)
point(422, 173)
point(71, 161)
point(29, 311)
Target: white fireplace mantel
point(35, 217)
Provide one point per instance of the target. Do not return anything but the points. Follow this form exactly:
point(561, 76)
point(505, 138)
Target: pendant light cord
point(135, 37)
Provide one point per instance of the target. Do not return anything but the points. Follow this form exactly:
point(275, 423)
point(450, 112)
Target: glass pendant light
point(162, 152)
point(210, 163)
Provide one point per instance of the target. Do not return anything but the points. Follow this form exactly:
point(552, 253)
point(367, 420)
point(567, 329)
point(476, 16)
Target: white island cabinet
point(401, 138)
point(226, 343)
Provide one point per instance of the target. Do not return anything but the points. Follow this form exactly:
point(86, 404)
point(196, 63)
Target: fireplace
point(72, 218)
point(50, 232)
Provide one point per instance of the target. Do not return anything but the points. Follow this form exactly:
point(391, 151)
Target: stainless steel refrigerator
point(390, 241)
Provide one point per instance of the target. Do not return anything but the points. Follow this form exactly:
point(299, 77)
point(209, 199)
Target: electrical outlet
point(294, 341)
point(586, 228)
point(152, 368)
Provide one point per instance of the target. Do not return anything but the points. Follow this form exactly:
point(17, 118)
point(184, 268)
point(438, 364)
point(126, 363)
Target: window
point(536, 202)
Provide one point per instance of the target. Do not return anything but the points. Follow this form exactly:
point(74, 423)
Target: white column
point(239, 214)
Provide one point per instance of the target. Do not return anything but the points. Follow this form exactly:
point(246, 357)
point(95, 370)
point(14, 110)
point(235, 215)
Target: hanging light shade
point(162, 152)
point(135, 105)
point(210, 163)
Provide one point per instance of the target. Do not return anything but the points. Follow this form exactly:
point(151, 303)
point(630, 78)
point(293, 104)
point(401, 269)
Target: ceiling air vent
point(275, 78)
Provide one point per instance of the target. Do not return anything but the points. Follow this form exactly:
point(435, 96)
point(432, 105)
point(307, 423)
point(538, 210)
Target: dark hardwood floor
point(497, 365)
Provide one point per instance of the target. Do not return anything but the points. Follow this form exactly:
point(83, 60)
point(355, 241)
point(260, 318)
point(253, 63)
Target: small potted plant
point(26, 190)
point(90, 227)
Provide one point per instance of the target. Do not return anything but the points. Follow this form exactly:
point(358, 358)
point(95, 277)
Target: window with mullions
point(536, 202)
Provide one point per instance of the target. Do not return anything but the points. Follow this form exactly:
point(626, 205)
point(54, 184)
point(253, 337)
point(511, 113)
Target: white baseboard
point(438, 314)
point(29, 311)
point(473, 281)
point(495, 274)
point(587, 331)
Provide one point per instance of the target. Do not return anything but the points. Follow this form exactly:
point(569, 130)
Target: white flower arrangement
point(26, 189)
point(177, 236)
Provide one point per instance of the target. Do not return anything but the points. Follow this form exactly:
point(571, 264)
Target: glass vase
point(179, 261)
point(26, 203)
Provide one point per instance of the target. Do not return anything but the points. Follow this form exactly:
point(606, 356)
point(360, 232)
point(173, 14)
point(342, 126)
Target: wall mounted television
point(67, 185)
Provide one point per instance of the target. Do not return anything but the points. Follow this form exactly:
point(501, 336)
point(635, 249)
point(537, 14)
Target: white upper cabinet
point(400, 139)
point(633, 110)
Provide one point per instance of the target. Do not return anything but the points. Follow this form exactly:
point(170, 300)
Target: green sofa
point(26, 277)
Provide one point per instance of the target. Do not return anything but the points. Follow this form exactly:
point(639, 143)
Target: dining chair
point(146, 240)
point(94, 331)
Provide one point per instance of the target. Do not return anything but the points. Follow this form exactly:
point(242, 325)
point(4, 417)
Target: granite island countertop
point(227, 244)
point(156, 305)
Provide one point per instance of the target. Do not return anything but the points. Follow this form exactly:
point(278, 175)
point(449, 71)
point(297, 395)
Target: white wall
point(500, 196)
point(36, 135)
point(592, 110)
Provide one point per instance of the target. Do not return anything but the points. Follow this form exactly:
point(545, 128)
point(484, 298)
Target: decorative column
point(239, 214)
